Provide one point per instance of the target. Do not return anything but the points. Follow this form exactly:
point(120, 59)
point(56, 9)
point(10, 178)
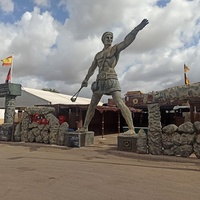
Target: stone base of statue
point(77, 139)
point(127, 142)
point(89, 138)
point(6, 132)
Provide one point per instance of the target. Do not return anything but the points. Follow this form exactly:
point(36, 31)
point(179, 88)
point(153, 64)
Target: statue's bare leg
point(126, 113)
point(91, 111)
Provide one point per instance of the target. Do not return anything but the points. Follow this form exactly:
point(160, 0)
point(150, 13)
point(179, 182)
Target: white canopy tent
point(32, 97)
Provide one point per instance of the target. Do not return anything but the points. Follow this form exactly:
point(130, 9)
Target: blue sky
point(162, 3)
point(55, 41)
point(21, 6)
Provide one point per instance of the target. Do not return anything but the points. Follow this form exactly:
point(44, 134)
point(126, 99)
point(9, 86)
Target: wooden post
point(118, 122)
point(192, 113)
point(102, 124)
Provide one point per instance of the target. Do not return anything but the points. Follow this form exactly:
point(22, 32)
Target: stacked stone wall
point(49, 133)
point(154, 130)
point(196, 144)
point(178, 141)
point(183, 140)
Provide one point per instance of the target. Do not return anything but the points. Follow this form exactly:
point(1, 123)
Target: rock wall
point(178, 141)
point(154, 132)
point(182, 140)
point(142, 142)
point(50, 132)
point(196, 145)
point(174, 93)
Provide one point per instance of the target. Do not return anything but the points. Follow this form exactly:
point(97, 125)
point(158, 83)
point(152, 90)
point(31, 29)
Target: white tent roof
point(57, 98)
point(33, 97)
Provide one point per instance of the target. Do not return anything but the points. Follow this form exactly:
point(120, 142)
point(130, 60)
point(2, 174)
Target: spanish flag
point(7, 61)
point(186, 68)
point(8, 78)
point(187, 81)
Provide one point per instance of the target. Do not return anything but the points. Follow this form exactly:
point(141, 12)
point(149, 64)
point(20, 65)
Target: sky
point(54, 42)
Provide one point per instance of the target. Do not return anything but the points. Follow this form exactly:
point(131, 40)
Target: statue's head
point(107, 38)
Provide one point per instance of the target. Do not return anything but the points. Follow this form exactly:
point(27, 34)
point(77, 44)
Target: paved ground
point(98, 172)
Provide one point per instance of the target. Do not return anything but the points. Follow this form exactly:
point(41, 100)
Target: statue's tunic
point(107, 81)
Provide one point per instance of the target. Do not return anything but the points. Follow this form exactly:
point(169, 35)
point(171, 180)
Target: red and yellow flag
point(7, 61)
point(8, 76)
point(187, 81)
point(186, 68)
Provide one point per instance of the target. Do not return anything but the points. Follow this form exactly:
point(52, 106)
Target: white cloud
point(45, 3)
point(6, 6)
point(50, 54)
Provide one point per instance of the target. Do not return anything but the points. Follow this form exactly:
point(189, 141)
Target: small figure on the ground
point(107, 82)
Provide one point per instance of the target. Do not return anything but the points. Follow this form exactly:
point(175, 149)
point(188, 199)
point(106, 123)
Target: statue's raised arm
point(132, 35)
point(142, 24)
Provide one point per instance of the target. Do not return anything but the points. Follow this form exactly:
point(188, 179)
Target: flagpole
point(186, 68)
point(11, 71)
point(185, 78)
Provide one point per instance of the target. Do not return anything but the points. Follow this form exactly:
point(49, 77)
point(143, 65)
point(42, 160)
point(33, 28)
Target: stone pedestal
point(6, 132)
point(76, 139)
point(89, 138)
point(9, 91)
point(127, 143)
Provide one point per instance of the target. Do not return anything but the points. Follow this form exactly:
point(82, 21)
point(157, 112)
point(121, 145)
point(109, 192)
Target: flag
point(8, 76)
point(186, 68)
point(187, 81)
point(7, 61)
